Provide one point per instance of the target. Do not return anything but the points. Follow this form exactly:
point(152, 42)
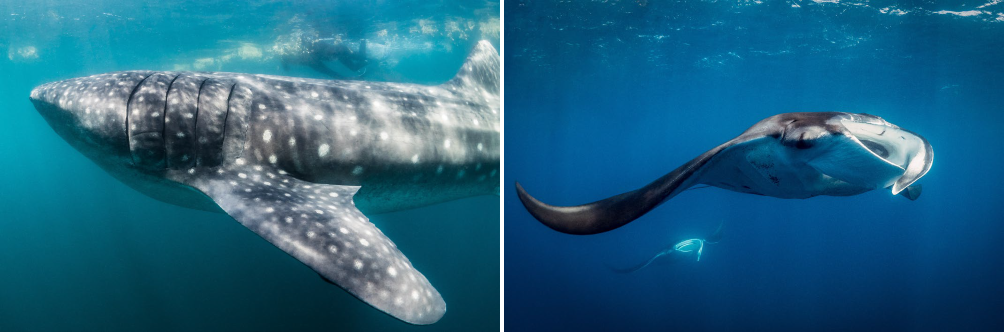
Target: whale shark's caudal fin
point(617, 211)
point(480, 70)
point(319, 225)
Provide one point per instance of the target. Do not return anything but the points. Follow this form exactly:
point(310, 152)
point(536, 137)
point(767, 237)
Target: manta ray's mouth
point(875, 148)
point(899, 157)
point(885, 141)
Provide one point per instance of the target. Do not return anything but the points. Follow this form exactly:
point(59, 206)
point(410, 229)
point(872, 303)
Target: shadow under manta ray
point(300, 162)
point(790, 155)
point(689, 248)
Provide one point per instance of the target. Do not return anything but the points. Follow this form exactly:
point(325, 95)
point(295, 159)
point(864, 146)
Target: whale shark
point(300, 162)
point(789, 155)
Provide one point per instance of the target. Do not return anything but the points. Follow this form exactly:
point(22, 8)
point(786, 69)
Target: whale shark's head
point(860, 149)
point(89, 112)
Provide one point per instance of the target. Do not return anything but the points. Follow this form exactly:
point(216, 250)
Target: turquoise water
point(603, 97)
point(82, 252)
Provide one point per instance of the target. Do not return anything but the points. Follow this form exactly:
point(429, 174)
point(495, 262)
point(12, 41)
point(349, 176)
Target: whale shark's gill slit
point(129, 110)
point(226, 117)
point(611, 213)
point(195, 128)
point(163, 127)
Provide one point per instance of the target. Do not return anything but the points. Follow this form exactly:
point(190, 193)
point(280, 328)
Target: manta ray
point(790, 155)
point(685, 249)
point(300, 162)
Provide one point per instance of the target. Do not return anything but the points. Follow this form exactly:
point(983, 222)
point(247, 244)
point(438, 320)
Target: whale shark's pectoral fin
point(320, 226)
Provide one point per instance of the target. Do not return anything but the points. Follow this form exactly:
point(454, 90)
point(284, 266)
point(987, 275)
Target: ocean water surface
point(82, 252)
point(604, 97)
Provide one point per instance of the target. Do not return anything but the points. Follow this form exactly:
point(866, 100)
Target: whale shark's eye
point(876, 148)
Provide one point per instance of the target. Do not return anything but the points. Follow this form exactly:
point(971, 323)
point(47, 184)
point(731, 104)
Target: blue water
point(82, 252)
point(603, 97)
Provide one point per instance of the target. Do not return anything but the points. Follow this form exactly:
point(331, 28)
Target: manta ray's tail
point(717, 235)
point(640, 265)
point(616, 211)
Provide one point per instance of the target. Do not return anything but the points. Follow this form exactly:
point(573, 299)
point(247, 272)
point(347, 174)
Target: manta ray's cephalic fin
point(912, 192)
point(617, 211)
point(319, 225)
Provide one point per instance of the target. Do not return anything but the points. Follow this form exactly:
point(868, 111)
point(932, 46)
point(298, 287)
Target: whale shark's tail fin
point(481, 70)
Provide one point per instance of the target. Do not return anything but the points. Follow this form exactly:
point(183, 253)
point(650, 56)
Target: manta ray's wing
point(320, 226)
point(616, 211)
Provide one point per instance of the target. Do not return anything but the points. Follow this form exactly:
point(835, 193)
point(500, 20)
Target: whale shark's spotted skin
point(297, 161)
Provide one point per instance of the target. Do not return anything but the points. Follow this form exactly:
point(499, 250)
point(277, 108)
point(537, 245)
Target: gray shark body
point(298, 161)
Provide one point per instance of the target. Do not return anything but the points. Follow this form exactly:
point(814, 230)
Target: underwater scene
point(354, 189)
point(661, 178)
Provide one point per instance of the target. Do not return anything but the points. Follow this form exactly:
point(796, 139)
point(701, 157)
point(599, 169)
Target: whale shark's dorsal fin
point(319, 225)
point(481, 69)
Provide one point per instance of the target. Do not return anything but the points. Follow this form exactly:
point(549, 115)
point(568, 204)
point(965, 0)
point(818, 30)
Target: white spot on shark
point(323, 150)
point(266, 136)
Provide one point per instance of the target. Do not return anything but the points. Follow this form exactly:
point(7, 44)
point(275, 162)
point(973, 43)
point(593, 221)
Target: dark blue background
point(604, 97)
